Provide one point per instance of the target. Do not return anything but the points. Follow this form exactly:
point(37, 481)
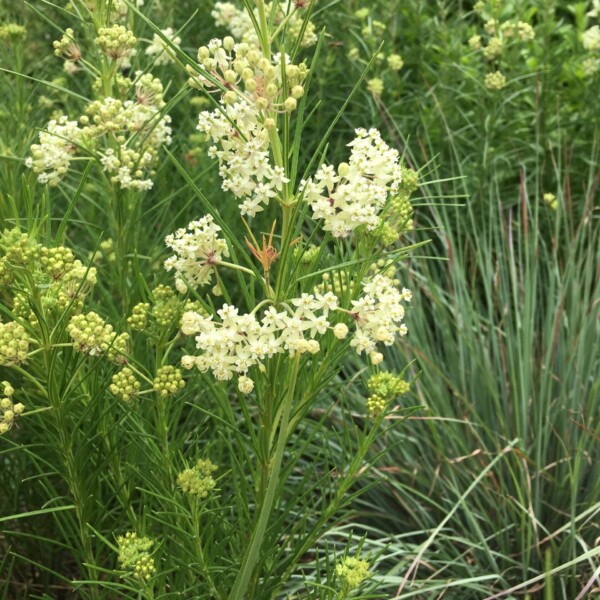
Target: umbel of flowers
point(253, 91)
point(134, 555)
point(240, 25)
point(123, 129)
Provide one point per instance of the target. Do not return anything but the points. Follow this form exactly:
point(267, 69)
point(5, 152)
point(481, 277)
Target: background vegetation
point(492, 487)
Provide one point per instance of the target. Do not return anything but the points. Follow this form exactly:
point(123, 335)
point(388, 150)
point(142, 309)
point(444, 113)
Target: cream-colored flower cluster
point(591, 38)
point(198, 251)
point(591, 43)
point(126, 135)
point(240, 25)
point(158, 49)
point(241, 341)
point(243, 154)
point(378, 315)
point(52, 156)
point(256, 90)
point(356, 194)
point(9, 411)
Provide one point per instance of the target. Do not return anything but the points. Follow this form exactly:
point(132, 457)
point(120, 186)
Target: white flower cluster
point(198, 250)
point(136, 131)
point(244, 155)
point(357, 193)
point(52, 156)
point(140, 132)
point(591, 38)
point(157, 47)
point(378, 315)
point(239, 342)
point(239, 23)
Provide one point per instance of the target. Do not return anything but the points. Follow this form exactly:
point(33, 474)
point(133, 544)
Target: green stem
point(229, 265)
point(200, 550)
point(273, 470)
point(265, 42)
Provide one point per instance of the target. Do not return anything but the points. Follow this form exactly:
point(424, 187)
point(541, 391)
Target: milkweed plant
point(188, 407)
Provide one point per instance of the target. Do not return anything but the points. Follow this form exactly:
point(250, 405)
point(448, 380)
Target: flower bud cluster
point(124, 385)
point(105, 251)
point(92, 335)
point(385, 388)
point(12, 32)
point(116, 41)
point(19, 251)
point(14, 343)
point(240, 25)
point(375, 86)
point(399, 210)
point(134, 555)
point(336, 282)
point(138, 320)
point(9, 411)
point(356, 194)
point(352, 572)
point(56, 261)
point(494, 48)
point(395, 62)
point(66, 47)
point(198, 481)
point(499, 37)
point(248, 75)
point(243, 156)
point(52, 156)
point(158, 48)
point(167, 308)
point(495, 80)
point(168, 381)
point(198, 251)
point(61, 281)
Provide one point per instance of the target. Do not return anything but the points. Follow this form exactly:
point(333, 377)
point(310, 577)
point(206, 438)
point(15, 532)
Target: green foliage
point(457, 462)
